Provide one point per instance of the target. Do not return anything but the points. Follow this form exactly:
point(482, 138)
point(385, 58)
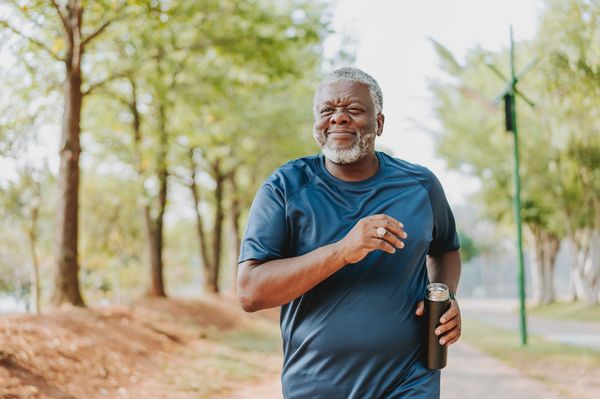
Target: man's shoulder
point(408, 169)
point(419, 173)
point(293, 175)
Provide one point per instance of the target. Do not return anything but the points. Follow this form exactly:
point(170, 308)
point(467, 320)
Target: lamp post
point(510, 112)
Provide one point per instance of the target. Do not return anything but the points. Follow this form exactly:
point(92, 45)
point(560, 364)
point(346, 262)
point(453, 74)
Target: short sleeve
point(444, 235)
point(266, 234)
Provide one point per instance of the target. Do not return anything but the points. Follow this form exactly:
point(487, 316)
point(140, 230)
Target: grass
point(568, 311)
point(235, 356)
point(258, 336)
point(568, 369)
point(506, 346)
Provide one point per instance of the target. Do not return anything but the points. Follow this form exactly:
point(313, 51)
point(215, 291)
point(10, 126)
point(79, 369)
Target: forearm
point(277, 282)
point(445, 269)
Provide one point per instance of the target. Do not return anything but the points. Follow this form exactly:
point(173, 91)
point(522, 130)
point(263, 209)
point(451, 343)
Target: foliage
point(558, 139)
point(26, 204)
point(231, 78)
point(468, 248)
point(112, 239)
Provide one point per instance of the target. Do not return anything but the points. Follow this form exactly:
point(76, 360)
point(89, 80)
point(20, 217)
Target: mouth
point(341, 134)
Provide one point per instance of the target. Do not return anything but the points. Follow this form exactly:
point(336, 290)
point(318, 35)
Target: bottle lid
point(437, 292)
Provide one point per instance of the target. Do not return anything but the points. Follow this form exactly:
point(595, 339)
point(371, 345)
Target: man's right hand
point(363, 239)
point(263, 285)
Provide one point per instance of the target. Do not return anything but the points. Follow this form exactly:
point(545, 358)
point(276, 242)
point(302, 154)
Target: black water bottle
point(437, 302)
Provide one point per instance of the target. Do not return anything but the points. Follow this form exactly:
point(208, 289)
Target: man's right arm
point(270, 284)
point(263, 285)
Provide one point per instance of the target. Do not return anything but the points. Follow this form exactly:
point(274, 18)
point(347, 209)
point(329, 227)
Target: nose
point(339, 117)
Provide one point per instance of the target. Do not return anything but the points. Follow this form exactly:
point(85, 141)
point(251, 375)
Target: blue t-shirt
point(354, 335)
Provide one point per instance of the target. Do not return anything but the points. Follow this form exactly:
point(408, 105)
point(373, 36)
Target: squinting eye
point(326, 111)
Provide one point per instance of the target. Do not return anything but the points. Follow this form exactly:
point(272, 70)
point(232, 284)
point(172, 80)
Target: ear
point(380, 122)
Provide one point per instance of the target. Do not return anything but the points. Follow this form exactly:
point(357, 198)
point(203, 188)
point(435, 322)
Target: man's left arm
point(445, 268)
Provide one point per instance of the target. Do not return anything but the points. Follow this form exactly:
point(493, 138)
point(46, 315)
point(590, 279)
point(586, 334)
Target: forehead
point(344, 91)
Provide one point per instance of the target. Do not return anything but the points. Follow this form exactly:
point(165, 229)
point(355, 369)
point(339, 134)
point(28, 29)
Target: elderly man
point(346, 242)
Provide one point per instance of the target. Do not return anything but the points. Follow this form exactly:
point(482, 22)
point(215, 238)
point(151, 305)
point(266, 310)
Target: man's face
point(345, 121)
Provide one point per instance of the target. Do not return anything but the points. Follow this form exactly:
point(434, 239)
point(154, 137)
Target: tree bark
point(152, 224)
point(66, 276)
point(155, 239)
point(586, 269)
point(32, 234)
point(212, 281)
point(66, 281)
point(202, 244)
point(551, 245)
point(544, 248)
point(155, 225)
point(236, 212)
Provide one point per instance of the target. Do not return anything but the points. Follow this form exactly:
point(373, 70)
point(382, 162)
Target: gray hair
point(351, 74)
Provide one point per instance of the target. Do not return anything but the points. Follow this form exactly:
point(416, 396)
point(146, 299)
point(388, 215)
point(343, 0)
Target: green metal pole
point(517, 199)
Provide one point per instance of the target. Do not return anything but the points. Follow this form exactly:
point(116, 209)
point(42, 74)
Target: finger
point(390, 238)
point(384, 246)
point(393, 240)
point(391, 227)
point(383, 216)
point(450, 314)
point(392, 234)
point(452, 341)
point(446, 326)
point(451, 337)
point(420, 308)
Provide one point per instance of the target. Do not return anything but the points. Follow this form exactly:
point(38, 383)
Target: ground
point(176, 349)
point(155, 348)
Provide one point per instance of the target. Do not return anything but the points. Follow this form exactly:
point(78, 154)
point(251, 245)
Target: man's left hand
point(450, 328)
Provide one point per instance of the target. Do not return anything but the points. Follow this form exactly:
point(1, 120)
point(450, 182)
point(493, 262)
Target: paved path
point(470, 374)
point(503, 313)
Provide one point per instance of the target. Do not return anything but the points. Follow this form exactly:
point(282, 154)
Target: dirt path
point(155, 348)
point(269, 388)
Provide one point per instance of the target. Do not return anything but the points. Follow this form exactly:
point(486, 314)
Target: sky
point(393, 46)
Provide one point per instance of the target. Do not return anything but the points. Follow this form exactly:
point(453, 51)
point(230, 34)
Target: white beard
point(359, 149)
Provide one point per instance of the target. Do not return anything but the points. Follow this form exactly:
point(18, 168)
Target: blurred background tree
point(560, 153)
point(183, 108)
point(200, 101)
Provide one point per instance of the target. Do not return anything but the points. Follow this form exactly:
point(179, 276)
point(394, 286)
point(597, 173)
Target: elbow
point(247, 295)
point(248, 301)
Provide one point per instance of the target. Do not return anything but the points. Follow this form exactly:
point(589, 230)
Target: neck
point(356, 171)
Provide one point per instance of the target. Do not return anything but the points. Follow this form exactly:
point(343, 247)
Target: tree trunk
point(212, 281)
point(586, 270)
point(202, 244)
point(66, 277)
point(535, 261)
point(154, 236)
point(544, 248)
point(236, 212)
point(32, 234)
point(66, 282)
point(155, 226)
point(551, 245)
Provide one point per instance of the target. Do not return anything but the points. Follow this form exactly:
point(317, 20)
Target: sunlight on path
point(471, 374)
